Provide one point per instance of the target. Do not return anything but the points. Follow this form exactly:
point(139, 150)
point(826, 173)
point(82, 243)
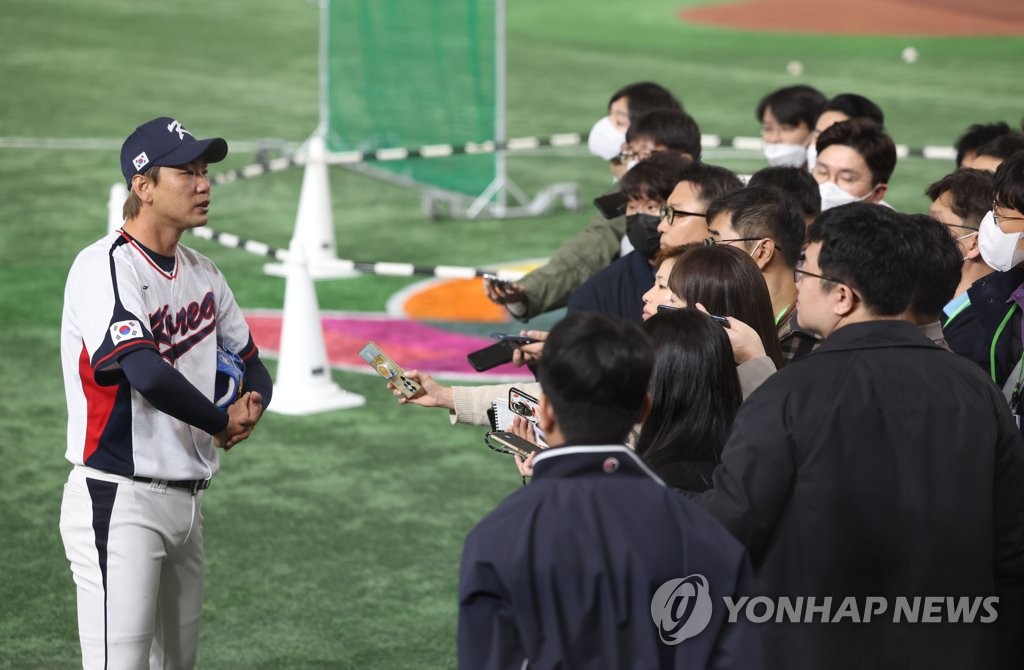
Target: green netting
point(413, 72)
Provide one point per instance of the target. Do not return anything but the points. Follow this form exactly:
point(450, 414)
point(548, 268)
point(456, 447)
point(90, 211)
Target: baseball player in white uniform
point(143, 319)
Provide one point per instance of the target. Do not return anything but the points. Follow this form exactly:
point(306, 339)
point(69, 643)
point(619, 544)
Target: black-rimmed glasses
point(670, 213)
point(996, 217)
point(711, 241)
point(799, 273)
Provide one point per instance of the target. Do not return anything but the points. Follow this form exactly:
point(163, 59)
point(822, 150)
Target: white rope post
point(115, 206)
point(314, 222)
point(304, 385)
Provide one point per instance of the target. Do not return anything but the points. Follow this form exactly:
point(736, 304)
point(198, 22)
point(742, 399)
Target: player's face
point(182, 195)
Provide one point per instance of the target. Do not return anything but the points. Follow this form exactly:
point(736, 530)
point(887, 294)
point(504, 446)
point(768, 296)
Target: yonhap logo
point(681, 608)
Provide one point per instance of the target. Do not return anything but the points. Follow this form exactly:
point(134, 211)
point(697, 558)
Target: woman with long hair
point(695, 393)
point(726, 281)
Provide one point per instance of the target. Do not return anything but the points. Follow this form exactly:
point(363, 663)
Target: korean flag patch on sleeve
point(122, 331)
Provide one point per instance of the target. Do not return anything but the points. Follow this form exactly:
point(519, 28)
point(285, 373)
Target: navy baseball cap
point(165, 141)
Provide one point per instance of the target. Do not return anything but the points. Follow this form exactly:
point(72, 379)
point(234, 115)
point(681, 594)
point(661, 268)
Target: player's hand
point(746, 343)
point(243, 414)
point(530, 353)
point(504, 292)
point(432, 395)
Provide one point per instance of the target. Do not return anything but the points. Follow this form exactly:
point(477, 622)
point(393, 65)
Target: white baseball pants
point(136, 553)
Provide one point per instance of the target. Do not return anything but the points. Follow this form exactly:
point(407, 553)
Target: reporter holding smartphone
point(548, 578)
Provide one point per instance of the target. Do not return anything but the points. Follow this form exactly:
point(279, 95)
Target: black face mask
point(642, 232)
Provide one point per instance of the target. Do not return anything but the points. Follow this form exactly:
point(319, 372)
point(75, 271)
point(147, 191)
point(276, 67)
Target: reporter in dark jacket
point(878, 466)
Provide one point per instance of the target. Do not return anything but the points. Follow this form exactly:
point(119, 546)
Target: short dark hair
point(694, 387)
point(866, 138)
point(728, 283)
point(765, 211)
point(795, 181)
point(711, 181)
point(595, 372)
point(868, 248)
point(1008, 183)
point(654, 178)
point(793, 105)
point(673, 129)
point(972, 194)
point(855, 107)
point(939, 265)
point(1003, 146)
point(976, 136)
point(644, 97)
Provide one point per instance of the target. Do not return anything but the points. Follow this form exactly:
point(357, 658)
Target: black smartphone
point(513, 338)
point(502, 440)
point(492, 356)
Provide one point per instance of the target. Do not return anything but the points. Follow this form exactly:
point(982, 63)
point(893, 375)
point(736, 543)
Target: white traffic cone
point(314, 221)
point(115, 206)
point(304, 384)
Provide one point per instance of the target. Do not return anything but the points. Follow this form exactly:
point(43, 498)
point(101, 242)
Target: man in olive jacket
point(879, 466)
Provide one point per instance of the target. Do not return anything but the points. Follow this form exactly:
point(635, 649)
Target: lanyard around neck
point(995, 338)
point(780, 315)
point(965, 305)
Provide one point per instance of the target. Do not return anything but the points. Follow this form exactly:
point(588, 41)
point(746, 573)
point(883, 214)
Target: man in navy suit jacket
point(597, 564)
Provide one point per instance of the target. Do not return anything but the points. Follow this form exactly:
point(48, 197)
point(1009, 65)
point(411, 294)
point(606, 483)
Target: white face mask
point(832, 195)
point(812, 157)
point(786, 155)
point(605, 140)
point(998, 249)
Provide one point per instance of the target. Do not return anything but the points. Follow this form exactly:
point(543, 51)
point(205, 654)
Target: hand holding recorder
point(531, 351)
point(502, 291)
point(746, 343)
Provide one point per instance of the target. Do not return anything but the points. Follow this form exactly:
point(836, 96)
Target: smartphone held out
point(503, 440)
point(389, 370)
point(513, 338)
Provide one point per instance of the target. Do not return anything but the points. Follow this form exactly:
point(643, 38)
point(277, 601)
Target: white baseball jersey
point(118, 299)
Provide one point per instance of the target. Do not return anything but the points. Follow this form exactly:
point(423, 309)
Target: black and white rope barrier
point(384, 269)
point(559, 140)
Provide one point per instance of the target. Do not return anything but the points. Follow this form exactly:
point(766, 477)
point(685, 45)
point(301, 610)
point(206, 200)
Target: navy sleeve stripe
point(120, 350)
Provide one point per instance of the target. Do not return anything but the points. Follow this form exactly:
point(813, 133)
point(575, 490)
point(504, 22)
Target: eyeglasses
point(950, 226)
point(627, 156)
point(997, 218)
point(799, 273)
point(710, 241)
point(670, 213)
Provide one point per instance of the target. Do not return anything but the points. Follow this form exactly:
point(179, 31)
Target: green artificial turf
point(333, 540)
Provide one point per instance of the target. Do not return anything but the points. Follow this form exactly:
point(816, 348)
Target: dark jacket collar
point(591, 460)
point(989, 294)
point(875, 335)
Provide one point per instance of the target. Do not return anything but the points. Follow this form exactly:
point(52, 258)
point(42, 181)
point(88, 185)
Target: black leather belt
point(193, 485)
